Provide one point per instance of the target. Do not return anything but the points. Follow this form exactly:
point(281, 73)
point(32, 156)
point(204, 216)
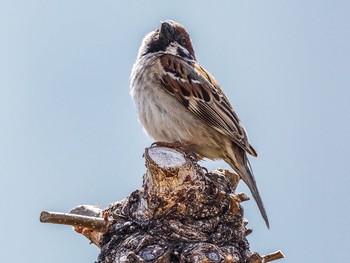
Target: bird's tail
point(242, 166)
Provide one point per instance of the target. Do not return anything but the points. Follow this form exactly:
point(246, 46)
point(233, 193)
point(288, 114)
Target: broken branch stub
point(182, 214)
point(85, 219)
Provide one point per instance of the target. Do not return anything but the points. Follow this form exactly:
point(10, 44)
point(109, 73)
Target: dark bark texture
point(183, 213)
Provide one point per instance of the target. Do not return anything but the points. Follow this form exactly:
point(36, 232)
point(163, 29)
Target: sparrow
point(178, 101)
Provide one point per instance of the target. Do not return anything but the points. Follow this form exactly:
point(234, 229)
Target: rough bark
point(183, 213)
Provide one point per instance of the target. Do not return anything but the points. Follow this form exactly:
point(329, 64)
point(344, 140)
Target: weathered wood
point(183, 213)
point(86, 219)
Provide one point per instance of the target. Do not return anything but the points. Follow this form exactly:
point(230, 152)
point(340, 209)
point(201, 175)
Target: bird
point(178, 101)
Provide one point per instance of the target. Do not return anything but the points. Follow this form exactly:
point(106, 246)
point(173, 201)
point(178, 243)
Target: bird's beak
point(167, 30)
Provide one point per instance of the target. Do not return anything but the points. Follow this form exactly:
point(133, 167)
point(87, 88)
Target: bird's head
point(169, 38)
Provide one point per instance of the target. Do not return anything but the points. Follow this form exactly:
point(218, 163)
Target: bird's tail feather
point(243, 168)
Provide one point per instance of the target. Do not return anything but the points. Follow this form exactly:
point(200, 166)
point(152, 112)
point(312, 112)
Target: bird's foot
point(172, 145)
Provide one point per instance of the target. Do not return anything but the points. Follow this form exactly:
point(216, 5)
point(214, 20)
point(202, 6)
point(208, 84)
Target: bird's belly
point(164, 118)
point(167, 120)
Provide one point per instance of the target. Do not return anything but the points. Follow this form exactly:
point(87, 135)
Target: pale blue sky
point(69, 132)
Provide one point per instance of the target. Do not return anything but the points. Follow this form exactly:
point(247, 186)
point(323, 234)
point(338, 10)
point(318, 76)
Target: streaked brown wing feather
point(197, 90)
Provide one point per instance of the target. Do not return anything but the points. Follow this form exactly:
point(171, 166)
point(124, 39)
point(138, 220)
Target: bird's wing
point(198, 91)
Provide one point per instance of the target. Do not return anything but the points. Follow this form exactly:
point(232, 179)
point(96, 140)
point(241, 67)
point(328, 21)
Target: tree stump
point(183, 213)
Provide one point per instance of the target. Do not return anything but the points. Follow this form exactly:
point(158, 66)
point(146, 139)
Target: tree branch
point(94, 223)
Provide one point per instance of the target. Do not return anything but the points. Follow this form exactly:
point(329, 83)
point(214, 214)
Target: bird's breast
point(163, 117)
